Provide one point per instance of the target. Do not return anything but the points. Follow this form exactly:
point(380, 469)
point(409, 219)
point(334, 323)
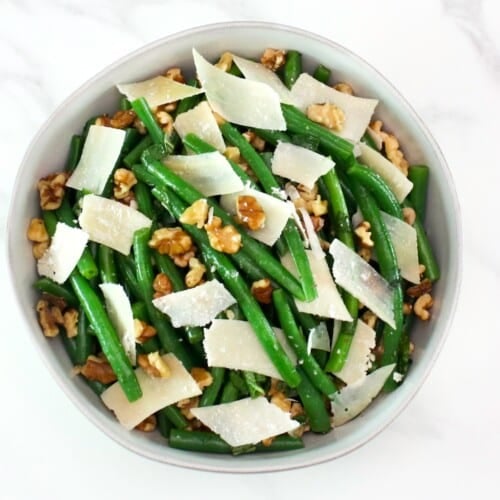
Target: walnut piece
point(49, 317)
point(364, 234)
point(175, 242)
point(165, 120)
point(224, 239)
point(317, 206)
point(365, 253)
point(70, 322)
point(194, 276)
point(124, 180)
point(327, 114)
point(318, 223)
point(391, 147)
point(154, 365)
point(175, 74)
point(407, 308)
point(225, 61)
point(37, 233)
point(196, 213)
point(147, 425)
point(99, 369)
point(273, 59)
point(282, 401)
point(369, 318)
point(422, 306)
point(51, 190)
point(185, 406)
point(250, 212)
point(344, 87)
point(122, 119)
point(257, 142)
point(262, 290)
point(306, 193)
point(162, 285)
point(142, 331)
point(203, 377)
point(425, 286)
point(409, 215)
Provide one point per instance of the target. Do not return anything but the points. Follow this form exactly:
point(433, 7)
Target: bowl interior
point(48, 153)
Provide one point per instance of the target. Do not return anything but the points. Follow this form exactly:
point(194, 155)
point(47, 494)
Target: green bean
point(229, 393)
point(175, 416)
point(292, 68)
point(126, 269)
point(341, 221)
point(83, 340)
point(134, 155)
point(144, 200)
point(46, 285)
point(339, 149)
point(234, 70)
point(164, 424)
point(305, 141)
point(124, 104)
point(107, 336)
point(209, 396)
point(314, 406)
point(239, 382)
point(49, 221)
point(107, 267)
point(367, 139)
point(140, 311)
point(297, 342)
point(132, 137)
point(389, 269)
point(254, 389)
point(161, 177)
point(75, 151)
point(382, 193)
point(322, 73)
point(143, 111)
point(270, 184)
point(425, 253)
point(144, 270)
point(238, 288)
point(419, 175)
point(272, 136)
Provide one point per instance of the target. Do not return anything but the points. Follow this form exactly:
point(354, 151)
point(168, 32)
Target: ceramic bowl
point(48, 152)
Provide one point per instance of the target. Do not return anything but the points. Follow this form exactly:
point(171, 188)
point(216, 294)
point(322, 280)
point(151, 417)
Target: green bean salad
point(236, 259)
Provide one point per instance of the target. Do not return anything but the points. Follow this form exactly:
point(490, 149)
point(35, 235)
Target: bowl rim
point(248, 467)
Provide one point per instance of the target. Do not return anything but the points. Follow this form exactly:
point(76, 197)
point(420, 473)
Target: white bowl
point(48, 151)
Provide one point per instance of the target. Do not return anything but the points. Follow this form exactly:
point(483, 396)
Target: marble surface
point(444, 56)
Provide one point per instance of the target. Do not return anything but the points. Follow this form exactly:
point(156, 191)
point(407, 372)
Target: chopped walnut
point(39, 249)
point(369, 318)
point(273, 59)
point(344, 87)
point(276, 387)
point(422, 306)
point(121, 119)
point(154, 365)
point(391, 147)
point(49, 317)
point(37, 233)
point(268, 441)
point(196, 213)
point(70, 322)
point(124, 180)
point(96, 368)
point(165, 120)
point(142, 331)
point(364, 234)
point(317, 206)
point(281, 401)
point(203, 377)
point(409, 215)
point(306, 193)
point(162, 285)
point(262, 290)
point(407, 308)
point(218, 118)
point(327, 114)
point(257, 142)
point(232, 153)
point(249, 211)
point(174, 242)
point(365, 253)
point(140, 127)
point(318, 223)
point(147, 425)
point(51, 190)
point(421, 270)
point(296, 410)
point(224, 239)
point(425, 286)
point(194, 276)
point(185, 406)
point(300, 431)
point(225, 61)
point(175, 74)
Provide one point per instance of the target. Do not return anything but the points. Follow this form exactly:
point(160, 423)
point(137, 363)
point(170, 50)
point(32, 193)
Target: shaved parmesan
point(252, 104)
point(299, 164)
point(158, 90)
point(277, 213)
point(121, 316)
point(209, 173)
point(350, 401)
point(156, 393)
point(63, 254)
point(246, 421)
point(404, 239)
point(259, 73)
point(195, 306)
point(358, 110)
point(360, 279)
point(395, 179)
point(200, 121)
point(312, 237)
point(110, 222)
point(100, 153)
point(329, 303)
point(358, 359)
point(376, 138)
point(318, 338)
point(233, 344)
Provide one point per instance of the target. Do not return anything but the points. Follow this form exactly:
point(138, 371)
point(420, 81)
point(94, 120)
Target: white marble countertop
point(444, 56)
